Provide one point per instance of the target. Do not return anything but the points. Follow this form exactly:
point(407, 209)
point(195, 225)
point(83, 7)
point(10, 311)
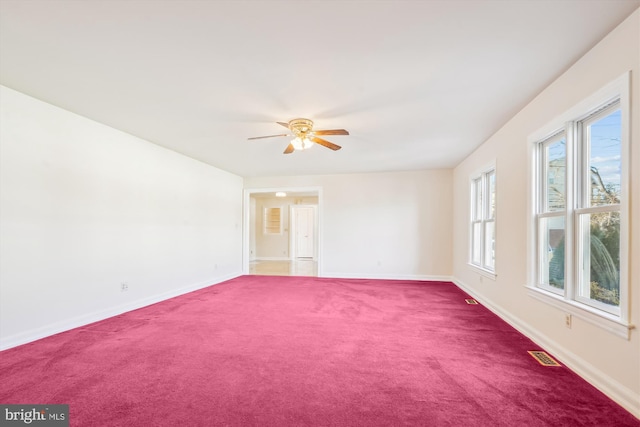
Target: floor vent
point(471, 301)
point(543, 358)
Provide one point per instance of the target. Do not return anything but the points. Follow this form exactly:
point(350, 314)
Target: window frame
point(582, 200)
point(481, 215)
point(571, 122)
point(543, 212)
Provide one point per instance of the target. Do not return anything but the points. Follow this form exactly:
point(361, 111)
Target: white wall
point(395, 224)
point(85, 207)
point(608, 361)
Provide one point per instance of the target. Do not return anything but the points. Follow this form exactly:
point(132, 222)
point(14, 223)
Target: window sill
point(598, 318)
point(483, 272)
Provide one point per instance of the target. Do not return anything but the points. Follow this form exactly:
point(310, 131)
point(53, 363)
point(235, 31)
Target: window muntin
point(483, 220)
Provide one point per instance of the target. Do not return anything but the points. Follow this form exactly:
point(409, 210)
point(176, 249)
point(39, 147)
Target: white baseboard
point(418, 277)
point(271, 258)
point(619, 393)
point(76, 322)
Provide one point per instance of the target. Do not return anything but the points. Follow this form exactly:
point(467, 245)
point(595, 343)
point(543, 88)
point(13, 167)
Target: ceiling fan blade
point(283, 124)
point(325, 143)
point(290, 149)
point(331, 132)
point(269, 136)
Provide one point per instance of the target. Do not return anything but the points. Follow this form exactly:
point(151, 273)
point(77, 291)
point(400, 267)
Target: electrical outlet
point(567, 320)
point(124, 287)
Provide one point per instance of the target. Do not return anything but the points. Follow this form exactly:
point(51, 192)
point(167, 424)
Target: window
point(272, 221)
point(483, 220)
point(579, 224)
point(552, 212)
point(598, 209)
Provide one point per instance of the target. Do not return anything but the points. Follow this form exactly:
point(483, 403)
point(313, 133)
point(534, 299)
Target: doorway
point(294, 250)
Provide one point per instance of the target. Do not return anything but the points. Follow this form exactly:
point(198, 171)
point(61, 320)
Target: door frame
point(246, 220)
point(293, 246)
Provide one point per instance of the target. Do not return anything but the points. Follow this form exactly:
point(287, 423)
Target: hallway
point(299, 267)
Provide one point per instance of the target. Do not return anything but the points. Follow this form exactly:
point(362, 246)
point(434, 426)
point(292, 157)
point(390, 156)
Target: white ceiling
point(419, 84)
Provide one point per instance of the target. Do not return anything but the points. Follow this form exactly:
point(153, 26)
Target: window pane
point(475, 244)
point(491, 181)
point(604, 139)
point(477, 201)
point(600, 244)
point(556, 161)
point(551, 251)
point(489, 245)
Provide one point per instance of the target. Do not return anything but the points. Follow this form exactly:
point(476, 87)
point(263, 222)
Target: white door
point(304, 227)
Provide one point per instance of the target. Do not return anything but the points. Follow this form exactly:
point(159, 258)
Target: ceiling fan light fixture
point(301, 143)
point(305, 136)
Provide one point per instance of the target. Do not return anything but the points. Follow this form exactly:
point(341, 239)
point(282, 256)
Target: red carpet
point(294, 351)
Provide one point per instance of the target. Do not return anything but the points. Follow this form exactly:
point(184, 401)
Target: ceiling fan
point(305, 136)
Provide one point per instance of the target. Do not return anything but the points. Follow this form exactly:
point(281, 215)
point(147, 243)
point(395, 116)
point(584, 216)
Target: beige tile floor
point(299, 267)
